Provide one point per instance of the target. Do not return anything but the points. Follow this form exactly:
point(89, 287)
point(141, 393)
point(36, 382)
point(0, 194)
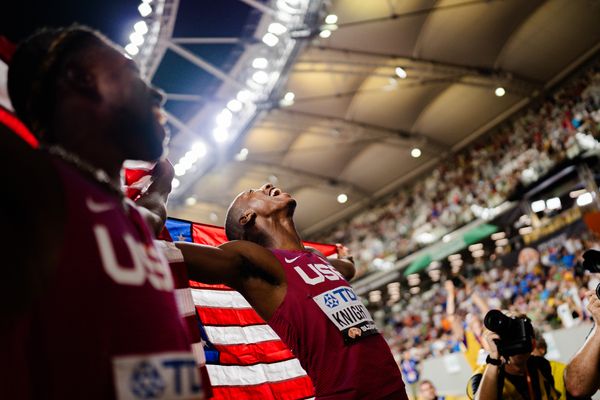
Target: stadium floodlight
point(141, 27)
point(224, 118)
point(220, 134)
point(199, 149)
point(331, 19)
point(234, 105)
point(180, 170)
point(242, 155)
point(270, 39)
point(502, 242)
point(260, 77)
point(260, 63)
point(475, 247)
point(538, 206)
point(500, 91)
point(145, 9)
point(244, 96)
point(325, 33)
point(136, 38)
point(401, 72)
point(175, 183)
point(132, 49)
point(276, 28)
point(288, 99)
point(342, 198)
point(415, 152)
point(190, 201)
point(585, 199)
point(553, 204)
point(213, 216)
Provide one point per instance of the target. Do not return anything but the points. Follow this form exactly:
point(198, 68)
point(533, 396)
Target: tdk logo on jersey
point(146, 381)
point(158, 376)
point(332, 298)
point(314, 274)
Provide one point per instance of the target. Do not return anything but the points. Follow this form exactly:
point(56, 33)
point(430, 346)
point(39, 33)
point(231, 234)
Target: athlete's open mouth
point(274, 192)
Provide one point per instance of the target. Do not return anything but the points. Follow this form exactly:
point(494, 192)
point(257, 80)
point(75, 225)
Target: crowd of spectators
point(479, 177)
point(548, 288)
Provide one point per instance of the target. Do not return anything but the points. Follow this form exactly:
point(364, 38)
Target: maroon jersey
point(107, 326)
point(331, 332)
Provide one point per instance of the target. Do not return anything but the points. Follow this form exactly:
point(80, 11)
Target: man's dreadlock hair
point(36, 67)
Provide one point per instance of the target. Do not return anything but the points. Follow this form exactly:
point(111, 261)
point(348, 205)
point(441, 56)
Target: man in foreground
point(302, 296)
point(89, 310)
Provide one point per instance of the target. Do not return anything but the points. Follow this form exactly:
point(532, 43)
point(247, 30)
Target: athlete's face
point(266, 201)
point(128, 105)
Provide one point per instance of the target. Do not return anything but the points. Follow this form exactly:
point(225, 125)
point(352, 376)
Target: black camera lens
point(591, 260)
point(496, 321)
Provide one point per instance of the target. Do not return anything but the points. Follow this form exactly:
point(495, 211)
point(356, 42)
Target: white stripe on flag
point(219, 298)
point(235, 375)
point(240, 335)
point(185, 302)
point(199, 356)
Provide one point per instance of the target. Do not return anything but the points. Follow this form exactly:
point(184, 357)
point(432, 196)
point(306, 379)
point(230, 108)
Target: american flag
point(245, 358)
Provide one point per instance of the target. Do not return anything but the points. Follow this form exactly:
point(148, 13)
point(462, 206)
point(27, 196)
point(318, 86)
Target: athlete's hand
point(343, 252)
point(594, 306)
point(162, 176)
point(489, 338)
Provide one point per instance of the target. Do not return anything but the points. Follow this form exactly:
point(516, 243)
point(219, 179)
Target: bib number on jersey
point(157, 376)
point(346, 311)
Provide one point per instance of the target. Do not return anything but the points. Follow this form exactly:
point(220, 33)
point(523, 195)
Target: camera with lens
point(591, 262)
point(516, 334)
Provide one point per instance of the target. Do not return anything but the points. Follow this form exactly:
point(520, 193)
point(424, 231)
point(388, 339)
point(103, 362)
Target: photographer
point(511, 371)
point(583, 371)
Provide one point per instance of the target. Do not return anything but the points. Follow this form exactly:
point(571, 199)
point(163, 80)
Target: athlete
point(302, 296)
point(88, 310)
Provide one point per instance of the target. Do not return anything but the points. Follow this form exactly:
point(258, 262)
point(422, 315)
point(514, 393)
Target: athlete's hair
point(233, 229)
point(36, 67)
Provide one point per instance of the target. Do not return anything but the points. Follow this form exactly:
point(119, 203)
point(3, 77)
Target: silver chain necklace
point(98, 174)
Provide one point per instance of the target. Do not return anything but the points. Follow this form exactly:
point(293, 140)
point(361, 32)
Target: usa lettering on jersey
point(317, 273)
point(147, 263)
point(346, 311)
point(157, 376)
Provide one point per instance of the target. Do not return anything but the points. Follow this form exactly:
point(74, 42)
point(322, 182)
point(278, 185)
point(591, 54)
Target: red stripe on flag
point(200, 285)
point(292, 389)
point(253, 353)
point(229, 316)
point(14, 124)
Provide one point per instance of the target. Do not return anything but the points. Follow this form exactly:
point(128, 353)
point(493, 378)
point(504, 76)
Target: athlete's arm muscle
point(231, 263)
point(152, 204)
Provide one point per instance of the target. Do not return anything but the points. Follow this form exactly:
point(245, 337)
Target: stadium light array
point(553, 204)
point(270, 39)
point(132, 49)
point(145, 9)
point(342, 198)
point(276, 28)
point(136, 38)
point(415, 152)
point(585, 199)
point(190, 201)
point(331, 19)
point(175, 183)
point(260, 77)
point(500, 91)
point(220, 134)
point(235, 105)
point(260, 63)
point(325, 33)
point(538, 206)
point(141, 27)
point(401, 72)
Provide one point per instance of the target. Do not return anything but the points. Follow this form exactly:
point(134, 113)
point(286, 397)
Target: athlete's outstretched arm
point(230, 263)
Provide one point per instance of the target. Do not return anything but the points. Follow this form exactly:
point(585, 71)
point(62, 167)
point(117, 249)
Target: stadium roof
point(354, 116)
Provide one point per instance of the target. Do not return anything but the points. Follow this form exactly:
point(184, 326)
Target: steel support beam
point(201, 63)
point(206, 40)
point(260, 7)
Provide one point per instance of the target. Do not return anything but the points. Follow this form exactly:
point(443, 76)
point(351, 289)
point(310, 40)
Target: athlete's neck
point(282, 234)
